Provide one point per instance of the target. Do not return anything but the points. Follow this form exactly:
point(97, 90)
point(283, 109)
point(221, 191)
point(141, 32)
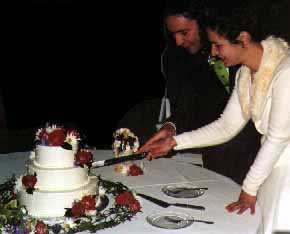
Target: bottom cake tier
point(49, 204)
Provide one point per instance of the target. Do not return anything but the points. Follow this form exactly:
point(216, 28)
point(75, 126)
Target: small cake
point(125, 143)
point(57, 174)
point(123, 168)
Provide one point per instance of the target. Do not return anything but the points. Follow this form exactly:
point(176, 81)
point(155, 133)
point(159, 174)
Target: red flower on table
point(135, 207)
point(135, 170)
point(125, 199)
point(40, 228)
point(89, 203)
point(82, 207)
point(83, 157)
point(57, 137)
point(29, 181)
point(78, 209)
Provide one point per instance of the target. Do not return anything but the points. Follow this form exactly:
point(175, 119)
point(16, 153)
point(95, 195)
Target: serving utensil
point(166, 204)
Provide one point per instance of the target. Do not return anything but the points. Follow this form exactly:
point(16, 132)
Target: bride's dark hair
point(257, 17)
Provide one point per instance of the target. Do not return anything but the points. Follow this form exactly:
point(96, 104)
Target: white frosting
point(48, 204)
point(58, 179)
point(54, 157)
point(59, 182)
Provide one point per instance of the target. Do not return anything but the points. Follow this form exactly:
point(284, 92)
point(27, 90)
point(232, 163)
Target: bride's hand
point(246, 201)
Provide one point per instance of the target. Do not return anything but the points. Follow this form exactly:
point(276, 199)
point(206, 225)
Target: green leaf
point(3, 219)
point(11, 205)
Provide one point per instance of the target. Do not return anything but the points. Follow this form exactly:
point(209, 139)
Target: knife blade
point(166, 204)
point(112, 161)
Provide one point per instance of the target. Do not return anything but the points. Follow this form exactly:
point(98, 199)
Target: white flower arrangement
point(68, 224)
point(102, 191)
point(72, 138)
point(18, 184)
point(57, 135)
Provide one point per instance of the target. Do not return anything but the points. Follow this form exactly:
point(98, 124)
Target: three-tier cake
point(57, 174)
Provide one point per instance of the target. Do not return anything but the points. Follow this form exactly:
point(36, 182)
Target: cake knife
point(166, 204)
point(112, 161)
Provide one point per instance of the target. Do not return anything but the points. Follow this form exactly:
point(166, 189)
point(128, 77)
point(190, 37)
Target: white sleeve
point(277, 136)
point(223, 129)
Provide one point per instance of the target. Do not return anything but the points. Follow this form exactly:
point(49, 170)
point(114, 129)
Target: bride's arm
point(277, 137)
point(223, 129)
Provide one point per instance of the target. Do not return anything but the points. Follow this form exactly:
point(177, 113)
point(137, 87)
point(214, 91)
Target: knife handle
point(189, 206)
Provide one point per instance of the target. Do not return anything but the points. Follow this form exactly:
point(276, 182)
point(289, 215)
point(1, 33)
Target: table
point(158, 173)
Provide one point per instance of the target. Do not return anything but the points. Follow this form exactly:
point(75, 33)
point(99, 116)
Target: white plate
point(183, 191)
point(167, 220)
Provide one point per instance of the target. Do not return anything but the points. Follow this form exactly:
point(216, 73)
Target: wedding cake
point(57, 174)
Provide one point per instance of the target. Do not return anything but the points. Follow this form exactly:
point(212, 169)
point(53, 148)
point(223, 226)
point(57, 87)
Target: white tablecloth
point(157, 173)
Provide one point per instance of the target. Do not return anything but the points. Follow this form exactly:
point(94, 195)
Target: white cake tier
point(49, 204)
point(54, 156)
point(58, 179)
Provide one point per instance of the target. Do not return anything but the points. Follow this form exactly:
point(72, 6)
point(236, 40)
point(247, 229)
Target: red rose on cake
point(83, 157)
point(29, 181)
point(57, 137)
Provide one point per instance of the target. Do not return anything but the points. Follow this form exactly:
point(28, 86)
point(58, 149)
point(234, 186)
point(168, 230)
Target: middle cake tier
point(58, 179)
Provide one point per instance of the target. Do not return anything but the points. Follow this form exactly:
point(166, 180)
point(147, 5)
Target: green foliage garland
point(14, 218)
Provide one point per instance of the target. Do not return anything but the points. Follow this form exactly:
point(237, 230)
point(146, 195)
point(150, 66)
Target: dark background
point(85, 65)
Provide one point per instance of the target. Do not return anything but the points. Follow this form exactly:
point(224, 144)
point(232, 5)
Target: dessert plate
point(183, 191)
point(166, 220)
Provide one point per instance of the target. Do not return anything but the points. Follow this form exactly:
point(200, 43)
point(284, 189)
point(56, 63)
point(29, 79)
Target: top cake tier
point(54, 157)
point(58, 136)
point(56, 147)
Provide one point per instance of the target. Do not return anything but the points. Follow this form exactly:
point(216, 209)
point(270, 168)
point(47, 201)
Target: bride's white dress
point(266, 101)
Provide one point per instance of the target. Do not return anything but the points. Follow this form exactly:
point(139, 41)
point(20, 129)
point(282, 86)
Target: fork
point(174, 220)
